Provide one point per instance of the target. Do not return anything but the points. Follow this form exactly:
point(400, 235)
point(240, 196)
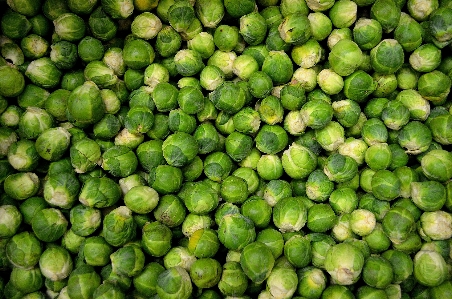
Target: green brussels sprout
point(321, 25)
point(339, 291)
point(11, 220)
point(174, 282)
point(178, 256)
point(278, 66)
point(257, 251)
point(367, 33)
point(321, 218)
point(100, 192)
point(23, 250)
point(387, 13)
point(22, 155)
point(343, 200)
point(141, 199)
point(43, 72)
point(118, 226)
point(119, 161)
point(42, 228)
point(258, 210)
point(330, 82)
point(341, 230)
point(85, 105)
point(340, 168)
point(311, 282)
point(378, 156)
point(345, 57)
point(278, 286)
point(297, 250)
point(428, 195)
point(435, 165)
point(55, 263)
point(203, 243)
point(290, 214)
point(269, 167)
point(30, 206)
point(434, 86)
point(430, 269)
point(90, 49)
point(84, 220)
point(233, 281)
point(318, 186)
point(425, 58)
point(21, 185)
point(146, 282)
point(374, 131)
point(266, 137)
point(228, 97)
point(236, 231)
point(246, 121)
point(440, 25)
point(398, 224)
point(61, 190)
point(198, 197)
point(271, 110)
point(26, 281)
point(188, 62)
point(344, 262)
point(386, 84)
point(15, 25)
point(205, 272)
point(387, 57)
point(331, 136)
point(418, 106)
point(343, 13)
point(118, 9)
point(83, 282)
point(435, 225)
point(69, 27)
point(128, 260)
point(253, 28)
point(156, 238)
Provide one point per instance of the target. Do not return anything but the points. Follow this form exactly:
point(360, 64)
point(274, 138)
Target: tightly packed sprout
point(225, 149)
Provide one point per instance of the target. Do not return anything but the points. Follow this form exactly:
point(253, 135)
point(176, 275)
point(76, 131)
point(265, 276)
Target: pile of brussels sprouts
point(239, 149)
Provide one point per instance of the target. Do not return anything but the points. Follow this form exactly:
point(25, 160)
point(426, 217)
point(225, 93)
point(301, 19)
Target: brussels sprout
point(118, 226)
point(340, 168)
point(205, 272)
point(434, 86)
point(428, 195)
point(344, 262)
point(146, 281)
point(156, 238)
point(21, 185)
point(387, 13)
point(321, 25)
point(345, 57)
point(278, 66)
point(429, 268)
point(295, 29)
point(374, 131)
point(55, 263)
point(288, 219)
point(250, 254)
point(440, 25)
point(83, 281)
point(398, 223)
point(174, 283)
point(128, 260)
point(233, 281)
point(275, 190)
point(188, 62)
point(331, 136)
point(387, 57)
point(235, 231)
point(44, 231)
point(343, 13)
point(425, 58)
point(277, 286)
point(330, 82)
point(15, 25)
